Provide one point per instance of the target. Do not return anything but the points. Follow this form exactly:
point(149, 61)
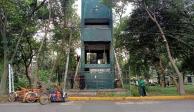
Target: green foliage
point(109, 3)
point(21, 83)
point(134, 90)
point(43, 13)
point(188, 63)
point(27, 18)
point(65, 25)
point(72, 62)
point(44, 75)
point(141, 38)
point(118, 31)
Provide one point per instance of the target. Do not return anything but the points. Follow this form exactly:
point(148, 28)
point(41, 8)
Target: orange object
point(58, 95)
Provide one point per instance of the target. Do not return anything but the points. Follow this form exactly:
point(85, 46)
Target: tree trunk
point(158, 77)
point(180, 76)
point(162, 74)
point(3, 23)
point(76, 82)
point(175, 82)
point(28, 77)
point(119, 72)
point(67, 62)
point(3, 86)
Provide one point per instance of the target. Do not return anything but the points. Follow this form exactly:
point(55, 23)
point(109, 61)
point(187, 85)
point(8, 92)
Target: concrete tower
point(97, 60)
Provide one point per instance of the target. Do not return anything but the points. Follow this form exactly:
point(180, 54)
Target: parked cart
point(25, 95)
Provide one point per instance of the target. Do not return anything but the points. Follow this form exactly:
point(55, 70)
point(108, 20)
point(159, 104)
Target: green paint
point(96, 30)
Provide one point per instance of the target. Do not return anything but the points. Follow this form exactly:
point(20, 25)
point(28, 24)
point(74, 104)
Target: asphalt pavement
point(102, 106)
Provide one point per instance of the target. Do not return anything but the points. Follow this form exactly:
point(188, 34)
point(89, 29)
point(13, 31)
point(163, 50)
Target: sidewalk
point(131, 98)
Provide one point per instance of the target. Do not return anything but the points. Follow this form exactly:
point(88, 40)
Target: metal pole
point(13, 90)
point(9, 79)
point(129, 81)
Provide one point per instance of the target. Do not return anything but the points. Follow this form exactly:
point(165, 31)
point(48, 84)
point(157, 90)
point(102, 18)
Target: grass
point(168, 91)
point(189, 89)
point(159, 91)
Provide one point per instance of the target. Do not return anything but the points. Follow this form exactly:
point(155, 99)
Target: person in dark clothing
point(141, 84)
point(72, 81)
point(82, 82)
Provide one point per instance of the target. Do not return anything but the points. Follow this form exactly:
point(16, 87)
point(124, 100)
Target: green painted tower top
point(94, 11)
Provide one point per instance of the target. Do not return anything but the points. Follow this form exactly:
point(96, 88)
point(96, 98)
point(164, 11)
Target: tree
point(181, 82)
point(17, 22)
point(3, 24)
point(146, 28)
point(27, 49)
point(22, 21)
point(64, 27)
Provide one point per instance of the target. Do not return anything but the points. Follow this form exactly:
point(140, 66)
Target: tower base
point(99, 92)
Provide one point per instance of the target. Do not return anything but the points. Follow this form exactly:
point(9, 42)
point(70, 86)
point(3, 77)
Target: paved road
point(102, 106)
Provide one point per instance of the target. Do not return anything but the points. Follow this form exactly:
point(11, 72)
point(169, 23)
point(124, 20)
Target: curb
point(130, 98)
point(71, 98)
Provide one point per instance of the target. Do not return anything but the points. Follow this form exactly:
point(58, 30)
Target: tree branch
point(37, 7)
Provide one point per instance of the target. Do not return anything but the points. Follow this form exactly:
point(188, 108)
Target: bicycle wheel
point(12, 97)
point(31, 97)
point(44, 99)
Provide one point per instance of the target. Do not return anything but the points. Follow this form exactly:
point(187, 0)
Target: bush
point(44, 75)
point(22, 83)
point(134, 90)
